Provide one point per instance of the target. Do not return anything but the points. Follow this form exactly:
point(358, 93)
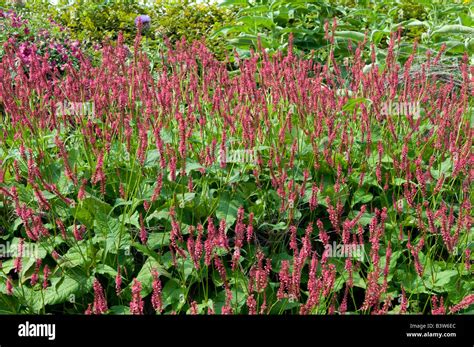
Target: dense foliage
point(432, 23)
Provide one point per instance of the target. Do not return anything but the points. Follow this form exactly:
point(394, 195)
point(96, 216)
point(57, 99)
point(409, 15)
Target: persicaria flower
point(194, 308)
point(156, 296)
point(143, 232)
point(220, 269)
point(198, 247)
point(46, 273)
point(250, 227)
point(100, 302)
point(252, 304)
point(118, 282)
point(81, 194)
point(438, 309)
point(55, 255)
point(323, 236)
point(136, 305)
point(79, 232)
point(42, 202)
point(343, 305)
point(223, 240)
point(285, 280)
point(89, 310)
point(9, 286)
point(329, 277)
point(34, 276)
point(227, 308)
point(159, 185)
point(61, 227)
point(18, 260)
point(293, 244)
point(466, 302)
point(403, 302)
point(261, 273)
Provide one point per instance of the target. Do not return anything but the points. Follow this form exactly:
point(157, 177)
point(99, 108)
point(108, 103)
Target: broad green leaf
point(68, 287)
point(439, 279)
point(351, 104)
point(361, 196)
point(227, 209)
point(454, 29)
point(256, 21)
point(109, 229)
point(353, 35)
point(104, 269)
point(157, 240)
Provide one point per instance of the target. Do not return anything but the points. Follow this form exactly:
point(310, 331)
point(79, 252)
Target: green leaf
point(358, 280)
point(95, 205)
point(454, 29)
point(415, 23)
point(441, 279)
point(284, 305)
point(185, 198)
point(361, 196)
point(399, 181)
point(89, 209)
point(70, 283)
point(353, 35)
point(233, 3)
point(274, 227)
point(104, 269)
point(158, 240)
point(257, 21)
point(119, 310)
point(227, 209)
point(83, 215)
point(351, 104)
point(75, 256)
point(172, 293)
point(132, 220)
point(109, 230)
point(152, 158)
point(145, 276)
point(445, 169)
point(193, 166)
point(158, 214)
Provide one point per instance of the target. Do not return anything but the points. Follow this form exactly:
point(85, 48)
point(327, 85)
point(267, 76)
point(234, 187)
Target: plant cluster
point(289, 186)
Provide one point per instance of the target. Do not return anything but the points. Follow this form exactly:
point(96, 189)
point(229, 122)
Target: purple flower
point(144, 20)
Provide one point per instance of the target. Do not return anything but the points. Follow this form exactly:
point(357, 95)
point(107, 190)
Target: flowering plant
point(140, 204)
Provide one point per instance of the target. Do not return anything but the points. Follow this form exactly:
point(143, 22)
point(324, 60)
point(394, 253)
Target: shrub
point(194, 21)
point(93, 21)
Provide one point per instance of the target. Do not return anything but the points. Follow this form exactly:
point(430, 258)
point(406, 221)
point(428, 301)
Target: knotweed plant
point(289, 186)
